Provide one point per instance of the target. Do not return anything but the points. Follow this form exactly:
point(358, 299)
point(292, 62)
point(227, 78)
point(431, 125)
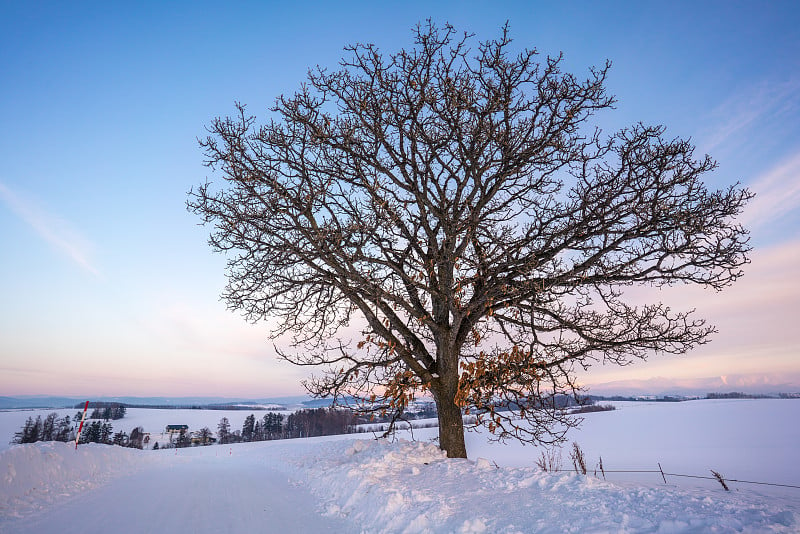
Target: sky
point(108, 286)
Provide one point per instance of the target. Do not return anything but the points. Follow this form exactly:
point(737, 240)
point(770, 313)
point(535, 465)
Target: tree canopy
point(446, 220)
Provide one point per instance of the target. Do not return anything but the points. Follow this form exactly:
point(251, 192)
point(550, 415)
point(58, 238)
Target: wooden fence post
point(662, 472)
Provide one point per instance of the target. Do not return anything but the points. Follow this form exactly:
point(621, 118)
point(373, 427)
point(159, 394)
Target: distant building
point(199, 439)
point(177, 429)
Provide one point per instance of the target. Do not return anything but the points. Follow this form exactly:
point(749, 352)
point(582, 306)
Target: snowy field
point(352, 484)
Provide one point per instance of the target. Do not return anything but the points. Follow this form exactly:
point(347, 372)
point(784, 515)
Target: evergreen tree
point(224, 431)
point(91, 432)
point(36, 431)
point(265, 428)
point(121, 439)
point(248, 428)
point(292, 429)
point(64, 430)
point(24, 434)
point(48, 427)
point(273, 425)
point(106, 431)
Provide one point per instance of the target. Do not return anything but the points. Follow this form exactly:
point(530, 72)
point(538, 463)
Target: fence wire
point(667, 474)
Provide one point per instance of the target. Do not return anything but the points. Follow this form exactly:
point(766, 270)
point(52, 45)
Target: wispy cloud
point(777, 194)
point(57, 232)
point(734, 120)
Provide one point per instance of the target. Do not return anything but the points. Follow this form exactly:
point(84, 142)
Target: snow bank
point(37, 475)
point(411, 487)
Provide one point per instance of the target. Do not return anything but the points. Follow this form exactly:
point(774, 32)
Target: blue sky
point(107, 284)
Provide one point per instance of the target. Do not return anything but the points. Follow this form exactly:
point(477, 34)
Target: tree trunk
point(451, 427)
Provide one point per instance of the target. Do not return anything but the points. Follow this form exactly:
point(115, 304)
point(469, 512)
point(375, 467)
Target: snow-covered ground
point(744, 439)
point(352, 484)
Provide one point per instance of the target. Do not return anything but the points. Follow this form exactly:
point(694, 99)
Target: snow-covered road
point(197, 491)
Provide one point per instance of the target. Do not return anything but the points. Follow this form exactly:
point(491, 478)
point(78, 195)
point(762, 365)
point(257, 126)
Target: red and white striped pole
point(80, 428)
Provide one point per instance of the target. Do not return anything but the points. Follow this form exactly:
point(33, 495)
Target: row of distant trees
point(267, 428)
point(51, 428)
point(326, 422)
point(103, 432)
point(64, 429)
point(113, 411)
point(300, 424)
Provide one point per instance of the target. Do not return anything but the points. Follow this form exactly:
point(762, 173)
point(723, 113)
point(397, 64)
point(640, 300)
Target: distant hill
point(44, 401)
point(8, 403)
point(756, 384)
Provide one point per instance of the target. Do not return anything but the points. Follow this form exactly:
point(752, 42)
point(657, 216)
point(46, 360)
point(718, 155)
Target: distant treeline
point(592, 408)
point(64, 429)
point(301, 424)
point(328, 422)
point(112, 411)
point(557, 402)
point(102, 410)
point(681, 398)
point(226, 407)
point(642, 398)
point(740, 395)
point(273, 426)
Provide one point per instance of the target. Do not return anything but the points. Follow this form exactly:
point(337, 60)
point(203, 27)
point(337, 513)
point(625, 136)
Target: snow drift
point(412, 487)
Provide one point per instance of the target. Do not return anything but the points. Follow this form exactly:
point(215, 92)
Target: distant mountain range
point(762, 384)
point(7, 403)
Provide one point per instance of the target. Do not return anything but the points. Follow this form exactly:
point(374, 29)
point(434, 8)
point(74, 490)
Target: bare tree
point(454, 206)
point(136, 440)
point(205, 435)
